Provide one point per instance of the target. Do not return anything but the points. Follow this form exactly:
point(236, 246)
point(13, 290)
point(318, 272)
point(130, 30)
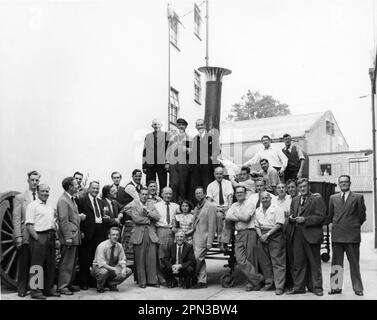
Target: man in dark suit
point(179, 261)
point(93, 233)
point(20, 232)
point(203, 157)
point(68, 219)
point(154, 154)
point(111, 208)
point(306, 218)
point(347, 214)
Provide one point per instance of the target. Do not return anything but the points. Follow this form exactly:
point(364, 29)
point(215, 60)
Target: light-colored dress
point(185, 222)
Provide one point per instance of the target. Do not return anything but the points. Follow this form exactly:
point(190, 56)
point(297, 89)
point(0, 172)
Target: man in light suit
point(307, 216)
point(205, 214)
point(69, 235)
point(144, 239)
point(347, 214)
point(20, 232)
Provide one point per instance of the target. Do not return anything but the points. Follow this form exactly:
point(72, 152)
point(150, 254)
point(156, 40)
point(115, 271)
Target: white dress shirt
point(275, 157)
point(284, 204)
point(246, 210)
point(299, 151)
point(214, 188)
point(41, 215)
point(97, 219)
point(161, 208)
point(346, 194)
point(270, 218)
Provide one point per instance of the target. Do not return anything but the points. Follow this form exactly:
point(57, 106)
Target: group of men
point(276, 220)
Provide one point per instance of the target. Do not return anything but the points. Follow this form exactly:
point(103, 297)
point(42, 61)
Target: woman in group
point(184, 220)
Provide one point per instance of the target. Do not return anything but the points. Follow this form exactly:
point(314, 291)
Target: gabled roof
point(275, 127)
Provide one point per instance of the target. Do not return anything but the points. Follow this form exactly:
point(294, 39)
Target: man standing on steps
point(154, 155)
point(20, 232)
point(296, 159)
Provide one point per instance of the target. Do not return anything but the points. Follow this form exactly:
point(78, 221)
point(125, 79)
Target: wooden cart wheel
point(325, 257)
point(227, 280)
point(8, 250)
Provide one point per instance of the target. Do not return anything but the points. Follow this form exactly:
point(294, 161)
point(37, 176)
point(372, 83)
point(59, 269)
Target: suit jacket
point(113, 212)
point(88, 225)
point(142, 222)
point(149, 150)
point(188, 257)
point(207, 147)
point(204, 225)
point(68, 220)
point(20, 202)
point(314, 212)
point(347, 218)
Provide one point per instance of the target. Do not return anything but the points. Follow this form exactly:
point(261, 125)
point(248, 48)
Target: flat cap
point(183, 121)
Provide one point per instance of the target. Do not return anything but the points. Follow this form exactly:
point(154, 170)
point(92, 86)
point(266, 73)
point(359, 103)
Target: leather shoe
point(318, 293)
point(84, 287)
point(52, 294)
point(296, 292)
point(267, 288)
point(143, 286)
point(250, 287)
point(200, 285)
point(279, 292)
point(335, 291)
point(22, 294)
point(114, 288)
point(74, 288)
point(66, 292)
point(100, 290)
point(359, 293)
point(156, 285)
point(39, 297)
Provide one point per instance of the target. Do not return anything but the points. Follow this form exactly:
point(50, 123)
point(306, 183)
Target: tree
point(255, 106)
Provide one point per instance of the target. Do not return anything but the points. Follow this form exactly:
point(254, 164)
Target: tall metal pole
point(372, 74)
point(207, 41)
point(169, 27)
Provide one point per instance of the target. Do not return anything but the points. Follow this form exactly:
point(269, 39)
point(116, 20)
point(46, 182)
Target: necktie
point(180, 254)
point(168, 213)
point(96, 208)
point(344, 198)
point(34, 195)
point(221, 196)
point(303, 200)
point(258, 203)
point(113, 208)
point(112, 261)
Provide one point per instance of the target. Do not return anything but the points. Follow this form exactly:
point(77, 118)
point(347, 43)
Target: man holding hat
point(177, 156)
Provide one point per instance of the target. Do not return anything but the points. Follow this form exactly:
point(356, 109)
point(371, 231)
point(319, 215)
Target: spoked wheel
point(227, 280)
point(8, 250)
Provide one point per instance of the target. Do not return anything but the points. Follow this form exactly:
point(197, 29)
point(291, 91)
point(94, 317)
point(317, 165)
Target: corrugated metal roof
point(275, 127)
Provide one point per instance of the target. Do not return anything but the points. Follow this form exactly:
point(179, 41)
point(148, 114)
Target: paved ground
point(130, 291)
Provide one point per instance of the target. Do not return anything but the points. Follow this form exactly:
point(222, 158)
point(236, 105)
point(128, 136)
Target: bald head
point(219, 173)
point(167, 194)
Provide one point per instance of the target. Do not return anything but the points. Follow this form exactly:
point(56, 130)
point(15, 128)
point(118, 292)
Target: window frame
point(174, 30)
point(197, 22)
point(173, 108)
point(197, 84)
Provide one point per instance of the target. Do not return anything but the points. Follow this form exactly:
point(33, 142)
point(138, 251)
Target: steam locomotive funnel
point(213, 95)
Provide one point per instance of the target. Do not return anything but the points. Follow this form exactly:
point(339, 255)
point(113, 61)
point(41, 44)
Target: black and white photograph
point(215, 150)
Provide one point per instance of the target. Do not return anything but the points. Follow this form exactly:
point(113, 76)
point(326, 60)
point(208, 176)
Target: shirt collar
point(91, 197)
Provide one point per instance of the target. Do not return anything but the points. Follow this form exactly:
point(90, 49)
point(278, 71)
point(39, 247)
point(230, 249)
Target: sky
point(312, 55)
point(80, 81)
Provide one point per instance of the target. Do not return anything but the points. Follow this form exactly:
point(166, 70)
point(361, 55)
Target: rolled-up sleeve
point(300, 153)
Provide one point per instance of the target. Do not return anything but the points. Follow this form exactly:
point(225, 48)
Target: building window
point(197, 87)
point(330, 127)
point(174, 106)
point(197, 21)
point(358, 167)
point(325, 169)
point(174, 20)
